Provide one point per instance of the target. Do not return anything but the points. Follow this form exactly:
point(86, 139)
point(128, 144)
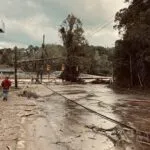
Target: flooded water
point(58, 124)
point(101, 99)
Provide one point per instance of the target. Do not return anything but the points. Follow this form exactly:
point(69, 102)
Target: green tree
point(74, 41)
point(132, 67)
point(6, 56)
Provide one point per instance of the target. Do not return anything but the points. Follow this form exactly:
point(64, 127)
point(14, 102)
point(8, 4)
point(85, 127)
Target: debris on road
point(28, 94)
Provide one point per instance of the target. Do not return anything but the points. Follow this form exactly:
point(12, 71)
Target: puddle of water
point(64, 122)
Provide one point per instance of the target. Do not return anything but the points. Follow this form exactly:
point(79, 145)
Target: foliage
point(95, 60)
point(101, 60)
point(6, 56)
point(132, 52)
point(74, 41)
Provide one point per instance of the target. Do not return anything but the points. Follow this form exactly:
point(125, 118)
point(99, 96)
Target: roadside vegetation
point(97, 60)
point(132, 51)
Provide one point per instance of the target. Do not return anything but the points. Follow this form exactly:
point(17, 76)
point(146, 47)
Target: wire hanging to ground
point(135, 131)
point(90, 110)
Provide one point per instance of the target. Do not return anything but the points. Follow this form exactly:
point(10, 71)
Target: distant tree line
point(96, 60)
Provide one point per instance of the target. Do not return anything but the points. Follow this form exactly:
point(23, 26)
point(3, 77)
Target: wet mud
point(52, 122)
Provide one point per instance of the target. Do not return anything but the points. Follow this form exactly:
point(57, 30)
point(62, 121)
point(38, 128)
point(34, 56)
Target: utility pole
point(43, 44)
point(42, 57)
point(113, 65)
point(15, 68)
point(131, 73)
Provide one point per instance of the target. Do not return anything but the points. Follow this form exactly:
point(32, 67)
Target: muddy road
point(50, 122)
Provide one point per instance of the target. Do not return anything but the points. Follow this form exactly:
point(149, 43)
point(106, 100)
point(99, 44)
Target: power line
point(98, 29)
point(98, 26)
point(90, 110)
point(101, 28)
point(41, 59)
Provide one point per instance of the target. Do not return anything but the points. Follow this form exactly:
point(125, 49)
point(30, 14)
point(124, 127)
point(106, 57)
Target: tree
point(6, 56)
point(74, 41)
point(131, 52)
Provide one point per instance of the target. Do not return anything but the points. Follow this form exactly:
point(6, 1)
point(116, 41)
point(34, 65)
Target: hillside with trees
point(97, 60)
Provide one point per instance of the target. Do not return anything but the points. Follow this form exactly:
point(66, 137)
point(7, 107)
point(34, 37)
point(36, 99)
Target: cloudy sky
point(26, 20)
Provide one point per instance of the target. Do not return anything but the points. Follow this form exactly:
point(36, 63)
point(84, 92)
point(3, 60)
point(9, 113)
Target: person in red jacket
point(6, 83)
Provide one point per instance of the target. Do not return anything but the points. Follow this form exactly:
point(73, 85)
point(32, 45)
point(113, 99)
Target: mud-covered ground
point(47, 121)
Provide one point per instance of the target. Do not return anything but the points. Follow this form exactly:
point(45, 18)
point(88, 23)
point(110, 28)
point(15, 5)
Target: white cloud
point(105, 37)
point(26, 21)
point(4, 44)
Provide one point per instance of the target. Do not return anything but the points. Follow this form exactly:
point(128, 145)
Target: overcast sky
point(26, 20)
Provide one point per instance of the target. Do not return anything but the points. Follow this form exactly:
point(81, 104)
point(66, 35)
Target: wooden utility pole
point(113, 65)
point(48, 70)
point(131, 73)
point(40, 66)
point(43, 44)
point(15, 68)
point(42, 57)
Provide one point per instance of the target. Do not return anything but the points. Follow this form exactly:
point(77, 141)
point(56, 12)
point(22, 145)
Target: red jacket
point(6, 84)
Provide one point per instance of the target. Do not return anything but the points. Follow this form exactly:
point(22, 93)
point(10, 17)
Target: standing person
point(6, 83)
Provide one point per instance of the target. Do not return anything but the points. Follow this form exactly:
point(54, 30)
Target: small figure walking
point(6, 83)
